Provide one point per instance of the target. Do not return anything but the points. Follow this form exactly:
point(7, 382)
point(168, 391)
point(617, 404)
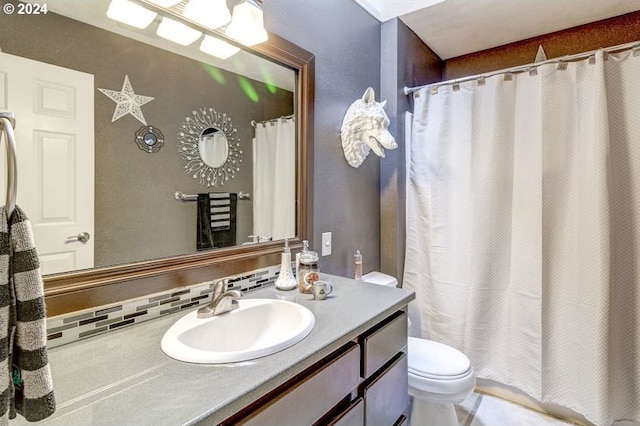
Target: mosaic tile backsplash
point(74, 326)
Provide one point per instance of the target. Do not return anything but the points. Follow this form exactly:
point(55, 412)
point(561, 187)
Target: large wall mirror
point(98, 182)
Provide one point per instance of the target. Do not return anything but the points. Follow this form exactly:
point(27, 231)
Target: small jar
point(308, 272)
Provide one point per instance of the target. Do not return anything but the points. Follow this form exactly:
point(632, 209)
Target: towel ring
point(7, 124)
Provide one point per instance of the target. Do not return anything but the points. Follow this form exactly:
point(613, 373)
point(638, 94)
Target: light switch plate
point(326, 243)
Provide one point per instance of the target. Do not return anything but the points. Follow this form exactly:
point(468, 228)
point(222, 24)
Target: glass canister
point(308, 273)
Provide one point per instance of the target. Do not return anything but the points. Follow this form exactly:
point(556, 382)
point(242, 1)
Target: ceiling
point(456, 27)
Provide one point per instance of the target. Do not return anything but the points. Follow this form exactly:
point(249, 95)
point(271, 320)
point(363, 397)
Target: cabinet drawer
point(387, 397)
point(306, 402)
point(352, 416)
point(383, 343)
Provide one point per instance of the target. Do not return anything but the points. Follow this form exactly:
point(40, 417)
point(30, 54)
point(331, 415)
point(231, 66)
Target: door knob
point(83, 237)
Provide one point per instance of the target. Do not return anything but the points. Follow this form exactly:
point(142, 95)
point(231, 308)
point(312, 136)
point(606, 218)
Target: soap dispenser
point(357, 265)
point(286, 280)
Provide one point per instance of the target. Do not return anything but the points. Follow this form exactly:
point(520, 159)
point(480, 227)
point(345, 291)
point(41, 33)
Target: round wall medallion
point(149, 139)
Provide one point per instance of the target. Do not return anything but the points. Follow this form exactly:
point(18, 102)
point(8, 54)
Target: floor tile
point(467, 408)
point(486, 410)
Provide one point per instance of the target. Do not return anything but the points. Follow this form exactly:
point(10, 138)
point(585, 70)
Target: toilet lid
point(435, 360)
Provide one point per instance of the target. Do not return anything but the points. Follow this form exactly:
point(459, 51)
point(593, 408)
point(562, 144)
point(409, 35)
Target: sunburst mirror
point(208, 142)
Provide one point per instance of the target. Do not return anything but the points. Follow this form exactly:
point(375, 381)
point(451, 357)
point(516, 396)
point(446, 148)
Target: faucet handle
point(227, 302)
point(236, 294)
point(224, 303)
point(219, 287)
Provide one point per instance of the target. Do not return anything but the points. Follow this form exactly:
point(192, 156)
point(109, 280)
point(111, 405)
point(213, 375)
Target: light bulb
point(177, 32)
point(210, 13)
point(247, 24)
point(218, 48)
point(130, 13)
point(165, 3)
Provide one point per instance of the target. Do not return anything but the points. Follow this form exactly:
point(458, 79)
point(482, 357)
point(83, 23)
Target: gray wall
point(405, 61)
point(345, 40)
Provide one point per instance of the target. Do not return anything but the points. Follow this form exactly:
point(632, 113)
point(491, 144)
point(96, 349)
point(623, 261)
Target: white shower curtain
point(274, 183)
point(523, 230)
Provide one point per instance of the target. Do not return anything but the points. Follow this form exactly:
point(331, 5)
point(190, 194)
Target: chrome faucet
point(221, 301)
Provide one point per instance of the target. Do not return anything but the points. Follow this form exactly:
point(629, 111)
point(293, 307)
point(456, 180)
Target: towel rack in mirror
point(180, 196)
point(7, 123)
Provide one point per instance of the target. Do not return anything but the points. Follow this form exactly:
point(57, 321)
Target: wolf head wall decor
point(365, 127)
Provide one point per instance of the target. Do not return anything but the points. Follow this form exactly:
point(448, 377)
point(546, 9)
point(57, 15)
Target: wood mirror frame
point(74, 291)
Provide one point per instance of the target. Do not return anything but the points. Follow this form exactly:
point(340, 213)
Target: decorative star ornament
point(127, 102)
point(541, 55)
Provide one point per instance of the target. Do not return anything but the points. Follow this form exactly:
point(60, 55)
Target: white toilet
point(439, 375)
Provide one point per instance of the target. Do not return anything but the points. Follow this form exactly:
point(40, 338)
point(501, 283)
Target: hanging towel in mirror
point(216, 220)
point(27, 386)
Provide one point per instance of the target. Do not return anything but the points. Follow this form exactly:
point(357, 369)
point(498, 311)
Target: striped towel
point(220, 209)
point(216, 220)
point(25, 377)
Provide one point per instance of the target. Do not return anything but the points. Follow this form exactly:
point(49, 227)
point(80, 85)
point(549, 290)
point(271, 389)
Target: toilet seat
point(435, 360)
point(438, 370)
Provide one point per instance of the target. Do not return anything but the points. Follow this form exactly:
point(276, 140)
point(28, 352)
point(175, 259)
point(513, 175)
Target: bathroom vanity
point(351, 369)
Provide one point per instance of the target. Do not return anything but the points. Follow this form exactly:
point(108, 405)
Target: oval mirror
point(209, 143)
point(213, 147)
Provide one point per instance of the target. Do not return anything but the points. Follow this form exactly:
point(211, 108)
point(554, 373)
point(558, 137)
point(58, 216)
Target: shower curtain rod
point(254, 123)
point(528, 67)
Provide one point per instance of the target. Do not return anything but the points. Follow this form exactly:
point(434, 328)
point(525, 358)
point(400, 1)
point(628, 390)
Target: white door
point(55, 157)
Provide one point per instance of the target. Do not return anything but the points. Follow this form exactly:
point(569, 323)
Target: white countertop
point(124, 378)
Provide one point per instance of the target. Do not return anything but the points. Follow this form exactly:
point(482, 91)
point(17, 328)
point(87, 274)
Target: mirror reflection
point(208, 142)
point(80, 167)
point(213, 147)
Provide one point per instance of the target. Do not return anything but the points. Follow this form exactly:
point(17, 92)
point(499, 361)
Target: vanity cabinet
point(349, 371)
point(384, 371)
point(304, 402)
point(385, 404)
point(382, 342)
point(364, 383)
point(352, 415)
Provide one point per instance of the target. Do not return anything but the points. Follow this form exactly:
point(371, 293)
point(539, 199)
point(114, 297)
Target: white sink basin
point(258, 327)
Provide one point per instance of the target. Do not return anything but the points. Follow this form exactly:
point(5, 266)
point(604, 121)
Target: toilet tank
point(376, 277)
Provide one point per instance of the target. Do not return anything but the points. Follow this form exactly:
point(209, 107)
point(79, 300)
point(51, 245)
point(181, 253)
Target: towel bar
point(7, 124)
point(180, 196)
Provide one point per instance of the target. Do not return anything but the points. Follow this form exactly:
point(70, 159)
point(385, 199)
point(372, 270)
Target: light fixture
point(247, 24)
point(165, 3)
point(177, 32)
point(130, 13)
point(218, 48)
point(210, 13)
